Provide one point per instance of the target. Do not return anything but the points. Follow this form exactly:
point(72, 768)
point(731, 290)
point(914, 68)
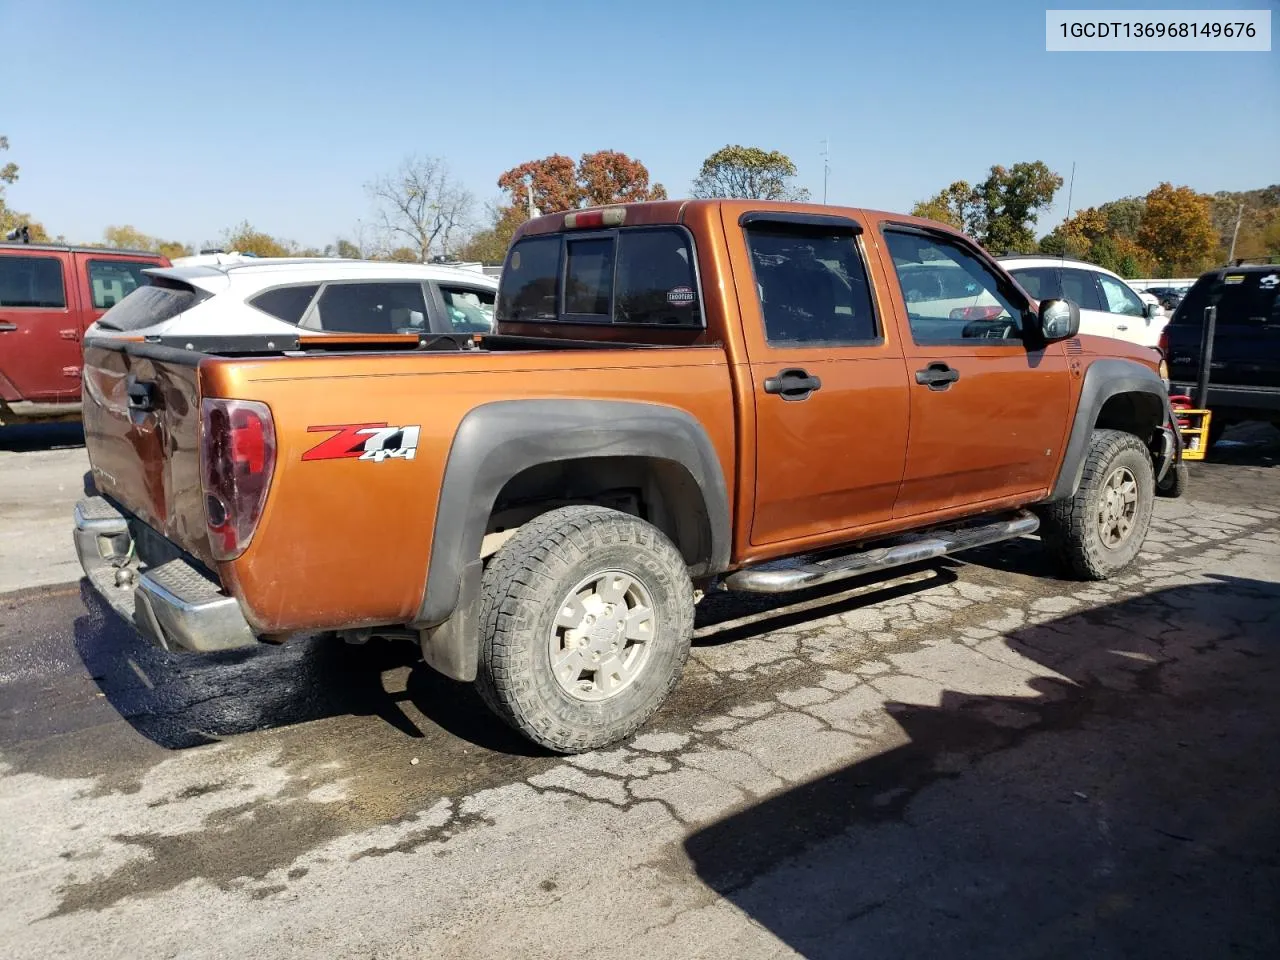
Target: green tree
point(1009, 201)
point(12, 219)
point(489, 246)
point(748, 172)
point(1177, 229)
point(347, 250)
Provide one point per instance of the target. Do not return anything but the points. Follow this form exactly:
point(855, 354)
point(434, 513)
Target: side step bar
point(811, 570)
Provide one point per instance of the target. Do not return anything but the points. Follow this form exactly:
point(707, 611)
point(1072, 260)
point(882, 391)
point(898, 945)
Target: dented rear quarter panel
point(346, 542)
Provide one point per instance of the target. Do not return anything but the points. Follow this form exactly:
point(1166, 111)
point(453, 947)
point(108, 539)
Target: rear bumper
point(170, 601)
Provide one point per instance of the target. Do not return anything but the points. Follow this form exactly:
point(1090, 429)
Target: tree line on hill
point(422, 212)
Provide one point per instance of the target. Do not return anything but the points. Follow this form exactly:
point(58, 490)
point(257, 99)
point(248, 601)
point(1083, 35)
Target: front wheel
point(586, 615)
point(1098, 532)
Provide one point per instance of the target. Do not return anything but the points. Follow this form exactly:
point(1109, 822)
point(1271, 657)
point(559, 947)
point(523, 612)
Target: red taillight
point(608, 217)
point(237, 459)
point(1164, 342)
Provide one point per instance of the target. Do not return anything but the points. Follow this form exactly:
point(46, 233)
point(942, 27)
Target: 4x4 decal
point(365, 441)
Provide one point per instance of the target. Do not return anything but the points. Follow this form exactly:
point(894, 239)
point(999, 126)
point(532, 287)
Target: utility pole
point(826, 167)
point(1235, 233)
point(529, 195)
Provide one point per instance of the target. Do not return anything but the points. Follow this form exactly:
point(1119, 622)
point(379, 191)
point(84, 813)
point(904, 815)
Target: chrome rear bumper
point(171, 602)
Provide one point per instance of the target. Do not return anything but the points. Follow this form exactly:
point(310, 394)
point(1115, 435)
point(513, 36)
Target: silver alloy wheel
point(1118, 507)
point(602, 636)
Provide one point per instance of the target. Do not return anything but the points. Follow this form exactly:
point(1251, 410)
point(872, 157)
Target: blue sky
point(183, 119)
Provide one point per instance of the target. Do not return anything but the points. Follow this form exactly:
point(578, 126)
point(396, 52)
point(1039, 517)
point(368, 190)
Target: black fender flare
point(1105, 378)
point(495, 442)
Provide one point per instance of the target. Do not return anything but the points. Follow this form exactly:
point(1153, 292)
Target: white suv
point(278, 296)
point(1109, 307)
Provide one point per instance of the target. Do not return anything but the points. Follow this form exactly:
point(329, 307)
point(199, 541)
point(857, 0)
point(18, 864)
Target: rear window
point(636, 275)
point(1242, 298)
point(31, 282)
point(286, 303)
point(110, 281)
point(149, 305)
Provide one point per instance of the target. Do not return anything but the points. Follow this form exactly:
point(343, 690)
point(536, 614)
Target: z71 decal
point(365, 441)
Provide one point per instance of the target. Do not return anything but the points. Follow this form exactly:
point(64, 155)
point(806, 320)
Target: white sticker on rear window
point(680, 296)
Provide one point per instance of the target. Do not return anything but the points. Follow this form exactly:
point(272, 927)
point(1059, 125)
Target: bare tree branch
point(421, 206)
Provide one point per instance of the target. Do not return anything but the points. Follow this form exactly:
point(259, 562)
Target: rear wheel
point(1099, 531)
point(586, 615)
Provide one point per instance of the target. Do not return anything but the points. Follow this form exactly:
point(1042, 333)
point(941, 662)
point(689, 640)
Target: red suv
point(48, 297)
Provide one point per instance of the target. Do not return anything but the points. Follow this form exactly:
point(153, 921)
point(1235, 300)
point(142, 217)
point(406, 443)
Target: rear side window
point(1120, 299)
point(812, 285)
point(32, 282)
point(372, 308)
point(1060, 283)
point(286, 303)
point(637, 275)
point(110, 281)
point(148, 306)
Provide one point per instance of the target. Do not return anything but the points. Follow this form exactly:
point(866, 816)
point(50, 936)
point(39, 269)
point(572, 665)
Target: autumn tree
point(557, 183)
point(127, 237)
point(1177, 229)
point(246, 239)
point(1105, 235)
point(421, 207)
point(490, 244)
point(12, 219)
point(954, 205)
point(748, 172)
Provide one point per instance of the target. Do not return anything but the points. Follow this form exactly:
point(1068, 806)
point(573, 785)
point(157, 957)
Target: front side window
point(31, 282)
point(951, 295)
point(470, 309)
point(638, 275)
point(811, 283)
point(1120, 299)
point(110, 281)
point(1059, 283)
point(286, 303)
point(393, 307)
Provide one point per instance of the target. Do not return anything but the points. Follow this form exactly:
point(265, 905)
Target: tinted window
point(1059, 283)
point(588, 285)
point(110, 281)
point(812, 285)
point(286, 303)
point(1120, 299)
point(31, 282)
point(530, 280)
point(950, 293)
point(148, 306)
point(470, 310)
point(655, 279)
point(371, 307)
point(1249, 299)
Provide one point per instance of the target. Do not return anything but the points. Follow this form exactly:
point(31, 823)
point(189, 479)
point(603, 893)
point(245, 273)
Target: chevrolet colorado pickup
point(676, 397)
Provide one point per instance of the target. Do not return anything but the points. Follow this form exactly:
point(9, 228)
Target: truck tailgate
point(142, 429)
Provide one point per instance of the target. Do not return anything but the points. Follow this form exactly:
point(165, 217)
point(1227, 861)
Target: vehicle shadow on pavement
point(181, 700)
point(1125, 807)
point(27, 437)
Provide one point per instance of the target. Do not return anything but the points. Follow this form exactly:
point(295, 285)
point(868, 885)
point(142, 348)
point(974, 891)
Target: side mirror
point(1152, 310)
point(1059, 320)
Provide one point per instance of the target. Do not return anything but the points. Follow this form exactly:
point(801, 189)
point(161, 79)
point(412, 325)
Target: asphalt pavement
point(975, 759)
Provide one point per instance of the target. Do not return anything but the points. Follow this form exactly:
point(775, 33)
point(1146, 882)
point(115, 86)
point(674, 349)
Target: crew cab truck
point(49, 297)
point(676, 397)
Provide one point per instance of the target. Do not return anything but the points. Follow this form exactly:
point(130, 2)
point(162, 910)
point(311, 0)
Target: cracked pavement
point(970, 759)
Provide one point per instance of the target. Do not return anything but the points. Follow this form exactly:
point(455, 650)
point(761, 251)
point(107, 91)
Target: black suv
point(1245, 371)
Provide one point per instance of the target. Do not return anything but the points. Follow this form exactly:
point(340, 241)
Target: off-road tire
point(1070, 528)
point(524, 586)
point(1174, 483)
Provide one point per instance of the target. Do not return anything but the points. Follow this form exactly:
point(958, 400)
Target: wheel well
point(1137, 413)
point(661, 492)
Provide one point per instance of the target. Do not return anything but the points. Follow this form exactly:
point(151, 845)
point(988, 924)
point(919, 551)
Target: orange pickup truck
point(676, 397)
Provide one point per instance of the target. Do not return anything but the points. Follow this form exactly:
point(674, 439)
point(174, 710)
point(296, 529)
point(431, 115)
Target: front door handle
point(5, 327)
point(792, 384)
point(937, 376)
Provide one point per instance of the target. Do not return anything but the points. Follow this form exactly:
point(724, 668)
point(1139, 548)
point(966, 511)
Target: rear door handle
point(937, 376)
point(5, 327)
point(792, 384)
